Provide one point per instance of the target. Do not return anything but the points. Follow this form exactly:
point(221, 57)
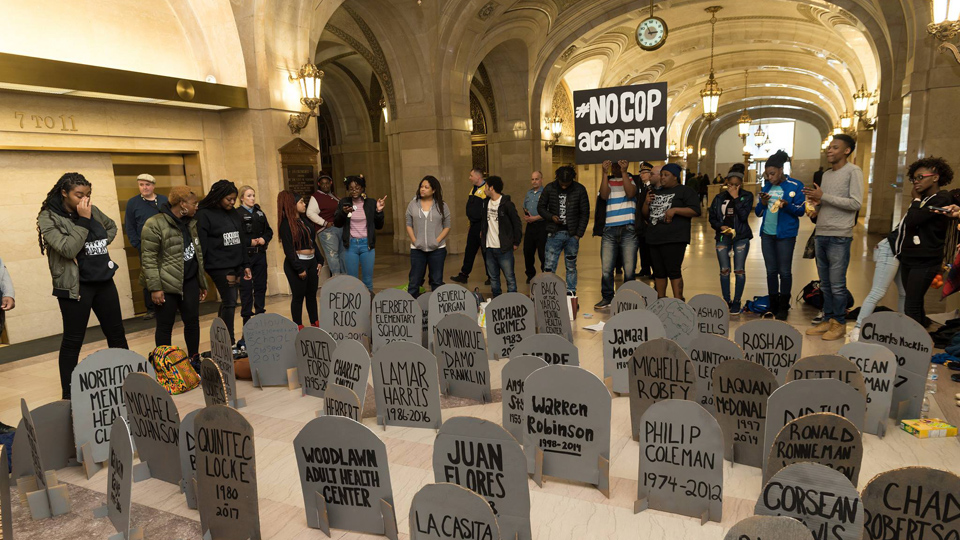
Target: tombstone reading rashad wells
point(550, 305)
point(824, 438)
point(396, 317)
point(342, 401)
point(54, 426)
point(448, 511)
point(406, 386)
point(828, 366)
point(509, 321)
point(713, 315)
point(314, 349)
point(707, 351)
point(774, 345)
point(916, 503)
point(188, 457)
point(768, 528)
point(351, 367)
point(482, 457)
point(462, 358)
point(119, 482)
point(345, 477)
point(447, 300)
point(625, 122)
point(271, 345)
point(879, 366)
point(912, 346)
point(155, 425)
point(740, 392)
point(627, 300)
point(345, 309)
point(552, 348)
point(658, 370)
point(212, 384)
point(681, 461)
point(222, 354)
point(621, 335)
point(514, 373)
point(645, 291)
point(678, 318)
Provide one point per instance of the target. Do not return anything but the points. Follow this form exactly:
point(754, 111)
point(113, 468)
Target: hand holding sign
point(624, 123)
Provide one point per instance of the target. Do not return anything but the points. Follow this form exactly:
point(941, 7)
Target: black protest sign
point(482, 457)
point(462, 358)
point(345, 309)
point(678, 318)
point(912, 346)
point(918, 503)
point(879, 367)
point(343, 464)
point(824, 438)
point(212, 383)
point(314, 348)
point(658, 370)
point(406, 386)
point(188, 457)
point(155, 425)
point(449, 511)
point(713, 315)
point(6, 511)
point(509, 320)
point(550, 305)
point(342, 401)
point(552, 348)
point(396, 317)
point(226, 474)
point(424, 302)
point(513, 376)
point(768, 527)
point(54, 428)
point(120, 477)
point(621, 335)
point(447, 300)
point(707, 351)
point(681, 460)
point(221, 352)
point(33, 442)
point(626, 300)
point(740, 392)
point(774, 345)
point(351, 367)
point(820, 497)
point(271, 344)
point(647, 292)
point(828, 366)
point(97, 398)
point(625, 122)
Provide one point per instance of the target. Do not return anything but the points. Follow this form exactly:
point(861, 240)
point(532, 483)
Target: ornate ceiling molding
point(481, 81)
point(374, 55)
point(370, 101)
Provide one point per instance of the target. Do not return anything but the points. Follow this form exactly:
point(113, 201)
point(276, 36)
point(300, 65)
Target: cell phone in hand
point(938, 209)
point(526, 212)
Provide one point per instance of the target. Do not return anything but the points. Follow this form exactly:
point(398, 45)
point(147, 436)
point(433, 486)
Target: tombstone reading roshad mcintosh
point(552, 348)
point(54, 427)
point(707, 351)
point(824, 438)
point(222, 355)
point(188, 457)
point(448, 511)
point(627, 300)
point(314, 349)
point(271, 345)
point(647, 292)
point(678, 318)
point(482, 457)
point(828, 366)
point(625, 122)
point(396, 317)
point(462, 358)
point(658, 370)
point(713, 315)
point(774, 345)
point(155, 425)
point(621, 335)
point(768, 528)
point(509, 321)
point(406, 386)
point(351, 367)
point(345, 309)
point(514, 373)
point(879, 366)
point(447, 300)
point(916, 503)
point(550, 305)
point(740, 392)
point(212, 383)
point(912, 346)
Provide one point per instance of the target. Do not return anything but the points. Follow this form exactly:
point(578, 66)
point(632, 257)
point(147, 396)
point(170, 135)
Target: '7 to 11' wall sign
point(40, 121)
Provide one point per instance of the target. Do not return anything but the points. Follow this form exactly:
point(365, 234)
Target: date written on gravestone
point(551, 427)
point(39, 121)
point(406, 385)
point(670, 444)
point(228, 455)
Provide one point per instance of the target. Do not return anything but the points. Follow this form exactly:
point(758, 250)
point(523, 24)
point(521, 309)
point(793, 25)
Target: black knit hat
point(777, 160)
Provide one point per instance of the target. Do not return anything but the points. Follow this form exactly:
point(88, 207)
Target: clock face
point(652, 33)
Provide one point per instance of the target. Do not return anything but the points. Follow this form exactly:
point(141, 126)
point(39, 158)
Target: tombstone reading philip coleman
point(155, 426)
point(509, 321)
point(406, 386)
point(550, 305)
point(707, 351)
point(449, 511)
point(270, 344)
point(658, 370)
point(740, 392)
point(314, 349)
point(552, 348)
point(913, 502)
point(396, 317)
point(222, 354)
point(462, 358)
point(713, 315)
point(774, 345)
point(912, 346)
point(621, 335)
point(879, 366)
point(512, 377)
point(119, 483)
point(625, 122)
point(824, 438)
point(446, 300)
point(345, 309)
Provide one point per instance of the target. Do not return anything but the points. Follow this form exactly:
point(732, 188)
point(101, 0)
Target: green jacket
point(64, 239)
point(161, 255)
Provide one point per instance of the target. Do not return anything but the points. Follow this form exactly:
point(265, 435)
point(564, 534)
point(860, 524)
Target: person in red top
point(322, 207)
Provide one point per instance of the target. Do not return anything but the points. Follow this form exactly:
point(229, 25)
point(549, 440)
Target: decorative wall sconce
point(862, 101)
point(555, 127)
point(689, 150)
point(672, 147)
point(846, 121)
point(386, 111)
point(945, 25)
point(310, 78)
point(703, 152)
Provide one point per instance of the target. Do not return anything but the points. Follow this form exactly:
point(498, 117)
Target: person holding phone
point(300, 264)
point(729, 214)
point(360, 218)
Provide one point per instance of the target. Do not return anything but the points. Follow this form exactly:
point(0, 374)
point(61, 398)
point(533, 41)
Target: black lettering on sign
point(450, 511)
point(627, 122)
point(774, 345)
point(509, 320)
point(345, 309)
point(740, 392)
point(919, 503)
point(406, 386)
point(658, 370)
point(513, 377)
point(821, 498)
point(823, 438)
point(462, 358)
point(315, 350)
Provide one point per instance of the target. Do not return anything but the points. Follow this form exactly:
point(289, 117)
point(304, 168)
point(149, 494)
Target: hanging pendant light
point(711, 91)
point(744, 123)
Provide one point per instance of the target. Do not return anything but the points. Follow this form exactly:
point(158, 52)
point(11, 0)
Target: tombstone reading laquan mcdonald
point(678, 318)
point(462, 358)
point(912, 346)
point(774, 345)
point(406, 386)
point(155, 426)
point(625, 122)
point(552, 348)
point(270, 343)
point(621, 335)
point(713, 315)
point(509, 321)
point(913, 502)
point(342, 401)
point(824, 438)
point(658, 370)
point(351, 367)
point(879, 366)
point(345, 309)
point(396, 317)
point(550, 305)
point(188, 457)
point(627, 300)
point(514, 373)
point(212, 384)
point(449, 511)
point(828, 366)
point(740, 392)
point(446, 300)
point(768, 527)
point(222, 354)
point(314, 349)
point(647, 292)
point(707, 351)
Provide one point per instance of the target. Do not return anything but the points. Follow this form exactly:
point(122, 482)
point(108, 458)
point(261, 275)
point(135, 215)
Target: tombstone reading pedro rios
point(462, 358)
point(406, 387)
point(396, 317)
point(912, 346)
point(509, 321)
point(879, 366)
point(270, 344)
point(512, 377)
point(552, 348)
point(447, 300)
point(625, 122)
point(774, 345)
point(912, 502)
point(621, 335)
point(222, 354)
point(155, 426)
point(314, 349)
point(659, 370)
point(550, 305)
point(345, 309)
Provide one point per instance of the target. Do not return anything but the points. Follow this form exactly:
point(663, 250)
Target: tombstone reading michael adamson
point(314, 348)
point(626, 122)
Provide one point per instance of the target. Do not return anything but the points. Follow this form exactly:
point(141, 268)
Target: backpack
point(759, 305)
point(813, 296)
point(173, 368)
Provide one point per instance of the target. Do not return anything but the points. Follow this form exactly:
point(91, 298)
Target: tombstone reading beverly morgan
point(155, 425)
point(713, 315)
point(345, 309)
point(681, 461)
point(396, 317)
point(828, 366)
point(462, 358)
point(188, 457)
point(659, 370)
point(222, 354)
point(342, 401)
point(406, 386)
point(482, 457)
point(913, 502)
point(270, 342)
point(514, 373)
point(550, 305)
point(879, 366)
point(740, 392)
point(627, 300)
point(824, 438)
point(54, 427)
point(314, 348)
point(448, 511)
point(509, 321)
point(647, 292)
point(552, 348)
point(351, 367)
point(912, 346)
point(678, 318)
point(625, 122)
point(621, 335)
point(446, 300)
point(212, 383)
point(707, 351)
point(768, 528)
point(774, 345)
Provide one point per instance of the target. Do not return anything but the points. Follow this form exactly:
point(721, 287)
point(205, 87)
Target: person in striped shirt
point(619, 192)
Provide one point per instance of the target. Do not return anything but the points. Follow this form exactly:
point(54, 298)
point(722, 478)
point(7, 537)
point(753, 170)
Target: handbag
point(810, 250)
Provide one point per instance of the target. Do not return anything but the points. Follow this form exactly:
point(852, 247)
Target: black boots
point(774, 307)
point(783, 307)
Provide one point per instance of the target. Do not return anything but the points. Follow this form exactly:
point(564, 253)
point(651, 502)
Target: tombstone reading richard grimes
point(621, 335)
point(406, 386)
point(774, 345)
point(879, 366)
point(509, 321)
point(270, 343)
point(447, 300)
point(659, 370)
point(345, 309)
point(514, 373)
point(625, 122)
point(713, 315)
point(550, 305)
point(552, 348)
point(912, 346)
point(917, 503)
point(396, 317)
point(155, 425)
point(824, 438)
point(740, 392)
point(449, 511)
point(222, 354)
point(462, 358)
point(707, 351)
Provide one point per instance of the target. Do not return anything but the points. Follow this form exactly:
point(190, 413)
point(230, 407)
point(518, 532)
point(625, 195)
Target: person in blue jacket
point(781, 204)
point(728, 214)
point(140, 208)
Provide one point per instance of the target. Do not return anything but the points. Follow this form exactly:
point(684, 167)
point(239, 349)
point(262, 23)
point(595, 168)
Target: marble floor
point(560, 510)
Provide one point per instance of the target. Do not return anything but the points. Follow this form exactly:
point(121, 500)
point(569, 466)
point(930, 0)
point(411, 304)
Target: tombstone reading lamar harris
point(345, 309)
point(314, 349)
point(513, 376)
point(550, 305)
point(879, 366)
point(446, 300)
point(659, 370)
point(774, 345)
point(270, 344)
point(396, 317)
point(406, 386)
point(707, 351)
point(626, 122)
point(442, 511)
point(913, 502)
point(155, 425)
point(462, 358)
point(621, 336)
point(912, 346)
point(509, 320)
point(552, 348)
point(740, 392)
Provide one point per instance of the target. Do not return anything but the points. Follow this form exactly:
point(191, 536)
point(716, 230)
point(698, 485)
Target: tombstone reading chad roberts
point(917, 503)
point(552, 348)
point(212, 384)
point(271, 345)
point(406, 387)
point(824, 438)
point(740, 392)
point(447, 300)
point(155, 426)
point(222, 354)
point(713, 315)
point(188, 457)
point(314, 349)
point(659, 370)
point(707, 351)
point(820, 497)
point(627, 300)
point(879, 366)
point(678, 318)
point(351, 367)
point(768, 528)
point(912, 346)
point(828, 366)
point(509, 321)
point(396, 317)
point(621, 335)
point(345, 309)
point(512, 377)
point(550, 305)
point(462, 358)
point(774, 345)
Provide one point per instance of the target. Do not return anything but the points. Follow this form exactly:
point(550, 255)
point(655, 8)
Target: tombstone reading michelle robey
point(345, 477)
point(678, 318)
point(345, 309)
point(119, 480)
point(509, 321)
point(222, 354)
point(621, 335)
point(188, 457)
point(917, 503)
point(713, 315)
point(212, 383)
point(271, 345)
point(625, 122)
point(707, 351)
point(879, 366)
point(820, 497)
point(681, 461)
point(912, 346)
point(406, 386)
point(550, 305)
point(396, 317)
point(54, 427)
point(482, 457)
point(514, 373)
point(314, 350)
point(448, 511)
point(447, 300)
point(462, 358)
point(768, 528)
point(552, 348)
point(828, 366)
point(647, 292)
point(627, 300)
point(740, 392)
point(824, 438)
point(351, 367)
point(658, 370)
point(774, 345)
point(155, 425)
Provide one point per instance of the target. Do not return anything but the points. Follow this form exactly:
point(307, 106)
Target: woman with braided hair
point(301, 264)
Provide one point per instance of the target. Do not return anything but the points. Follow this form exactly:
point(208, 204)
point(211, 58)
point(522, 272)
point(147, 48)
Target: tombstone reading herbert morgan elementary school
point(879, 366)
point(768, 528)
point(188, 457)
point(155, 425)
point(406, 386)
point(550, 305)
point(740, 392)
point(345, 309)
point(774, 345)
point(449, 511)
point(396, 317)
point(824, 438)
point(912, 346)
point(222, 354)
point(621, 335)
point(314, 349)
point(119, 482)
point(707, 351)
point(552, 348)
point(916, 503)
point(713, 315)
point(270, 343)
point(509, 321)
point(447, 300)
point(462, 358)
point(342, 401)
point(659, 370)
point(678, 318)
point(624, 122)
point(514, 373)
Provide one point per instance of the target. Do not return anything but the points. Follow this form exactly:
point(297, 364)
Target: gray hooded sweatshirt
point(427, 227)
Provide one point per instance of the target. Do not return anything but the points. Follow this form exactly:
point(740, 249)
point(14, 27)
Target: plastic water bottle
point(925, 407)
point(932, 376)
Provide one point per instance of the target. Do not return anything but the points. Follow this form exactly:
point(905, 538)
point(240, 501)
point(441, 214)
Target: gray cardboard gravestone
point(271, 346)
point(54, 427)
point(740, 392)
point(707, 351)
point(424, 302)
point(768, 528)
point(820, 497)
point(155, 425)
point(226, 474)
point(448, 511)
point(45, 496)
point(6, 511)
point(396, 317)
point(678, 318)
point(774, 345)
point(482, 457)
point(621, 335)
point(221, 352)
point(188, 457)
point(567, 426)
point(800, 398)
point(550, 305)
point(552, 348)
point(351, 367)
point(713, 315)
point(462, 358)
point(879, 367)
point(509, 321)
point(119, 481)
point(658, 370)
point(345, 309)
point(447, 300)
point(212, 384)
point(681, 461)
point(314, 349)
point(912, 346)
point(342, 401)
point(627, 300)
point(824, 438)
point(406, 386)
point(647, 292)
point(913, 502)
point(345, 477)
point(514, 373)
point(828, 366)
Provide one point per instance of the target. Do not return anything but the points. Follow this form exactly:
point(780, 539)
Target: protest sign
point(351, 367)
point(920, 503)
point(626, 300)
point(824, 438)
point(342, 401)
point(625, 122)
point(740, 392)
point(774, 345)
point(552, 348)
point(462, 358)
point(155, 425)
point(513, 376)
point(707, 351)
point(658, 370)
point(820, 497)
point(621, 335)
point(678, 318)
point(406, 386)
point(396, 317)
point(879, 367)
point(713, 315)
point(345, 309)
point(509, 321)
point(271, 345)
point(550, 305)
point(912, 346)
point(447, 300)
point(449, 511)
point(221, 352)
point(314, 351)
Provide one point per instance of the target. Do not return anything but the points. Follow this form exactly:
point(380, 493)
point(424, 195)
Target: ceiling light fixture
point(745, 121)
point(862, 101)
point(945, 25)
point(711, 91)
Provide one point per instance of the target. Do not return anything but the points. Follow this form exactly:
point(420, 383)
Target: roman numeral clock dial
point(652, 33)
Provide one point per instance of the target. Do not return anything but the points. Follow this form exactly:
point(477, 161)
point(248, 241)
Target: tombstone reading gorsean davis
point(552, 348)
point(155, 425)
point(514, 373)
point(707, 351)
point(509, 321)
point(449, 511)
point(912, 346)
point(462, 358)
point(188, 457)
point(917, 503)
point(270, 343)
point(222, 354)
point(740, 392)
point(774, 345)
point(824, 438)
point(678, 318)
point(396, 317)
point(406, 387)
point(879, 366)
point(446, 300)
point(768, 527)
point(550, 305)
point(713, 315)
point(659, 370)
point(625, 122)
point(345, 309)
point(351, 367)
point(621, 335)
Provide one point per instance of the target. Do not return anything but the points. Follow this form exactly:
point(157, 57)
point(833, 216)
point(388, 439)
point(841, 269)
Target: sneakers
point(818, 319)
point(459, 278)
point(734, 308)
point(820, 329)
point(855, 334)
point(836, 331)
point(603, 304)
point(4, 428)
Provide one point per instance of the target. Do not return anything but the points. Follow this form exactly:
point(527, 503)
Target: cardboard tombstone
point(509, 321)
point(424, 302)
point(120, 472)
point(828, 366)
point(740, 392)
point(879, 367)
point(681, 461)
point(213, 384)
point(226, 474)
point(912, 346)
point(659, 370)
point(678, 318)
point(550, 305)
point(221, 352)
point(482, 457)
point(462, 358)
point(621, 336)
point(45, 496)
point(707, 351)
point(6, 510)
point(768, 528)
point(406, 386)
point(345, 309)
point(447, 300)
point(396, 317)
point(271, 342)
point(713, 315)
point(647, 292)
point(824, 438)
point(514, 373)
point(627, 300)
point(314, 349)
point(774, 345)
point(448, 511)
point(351, 367)
point(345, 477)
point(567, 426)
point(188, 457)
point(552, 348)
point(914, 499)
point(820, 497)
point(155, 425)
point(342, 401)
point(54, 426)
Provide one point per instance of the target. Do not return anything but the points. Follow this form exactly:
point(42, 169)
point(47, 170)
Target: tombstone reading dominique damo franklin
point(740, 392)
point(44, 495)
point(406, 386)
point(314, 349)
point(917, 503)
point(351, 367)
point(509, 321)
point(625, 122)
point(879, 366)
point(824, 438)
point(514, 373)
point(912, 346)
point(567, 426)
point(552, 348)
point(345, 309)
point(345, 477)
point(820, 497)
point(678, 318)
point(550, 305)
point(119, 480)
point(681, 461)
point(482, 457)
point(621, 335)
point(271, 345)
point(828, 366)
point(54, 427)
point(447, 300)
point(396, 317)
point(424, 302)
point(647, 292)
point(768, 528)
point(342, 401)
point(713, 315)
point(449, 511)
point(774, 345)
point(188, 457)
point(659, 369)
point(6, 510)
point(707, 351)
point(212, 383)
point(462, 358)
point(155, 425)
point(222, 354)
point(627, 300)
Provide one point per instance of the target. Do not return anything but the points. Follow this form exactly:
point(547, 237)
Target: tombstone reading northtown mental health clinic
point(552, 348)
point(509, 321)
point(406, 386)
point(155, 426)
point(270, 343)
point(917, 503)
point(621, 335)
point(912, 346)
point(396, 317)
point(879, 366)
point(314, 349)
point(741, 390)
point(449, 511)
point(345, 309)
point(514, 373)
point(447, 300)
point(824, 438)
point(625, 122)
point(658, 370)
point(550, 305)
point(774, 345)
point(713, 315)
point(707, 351)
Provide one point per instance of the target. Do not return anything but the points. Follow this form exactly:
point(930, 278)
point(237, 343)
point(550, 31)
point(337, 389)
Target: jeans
point(500, 259)
point(562, 241)
point(303, 290)
point(419, 262)
point(358, 256)
point(739, 249)
point(228, 297)
point(534, 243)
point(101, 298)
point(916, 280)
point(331, 242)
point(833, 257)
point(886, 270)
point(617, 243)
point(778, 258)
point(253, 292)
point(474, 243)
point(188, 305)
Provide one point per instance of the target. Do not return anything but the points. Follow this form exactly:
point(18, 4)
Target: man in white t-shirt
point(501, 235)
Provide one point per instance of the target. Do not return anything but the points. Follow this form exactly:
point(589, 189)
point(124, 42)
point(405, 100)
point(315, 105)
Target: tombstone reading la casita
point(406, 387)
point(774, 345)
point(212, 383)
point(741, 390)
point(552, 348)
point(713, 315)
point(446, 300)
point(879, 366)
point(119, 482)
point(912, 346)
point(396, 317)
point(772, 527)
point(828, 366)
point(678, 318)
point(345, 309)
point(621, 336)
point(314, 349)
point(912, 502)
point(658, 370)
point(462, 358)
point(342, 401)
point(351, 367)
point(707, 351)
point(509, 320)
point(155, 425)
point(627, 300)
point(270, 342)
point(824, 438)
point(513, 376)
point(550, 305)
point(442, 511)
point(221, 352)
point(188, 458)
